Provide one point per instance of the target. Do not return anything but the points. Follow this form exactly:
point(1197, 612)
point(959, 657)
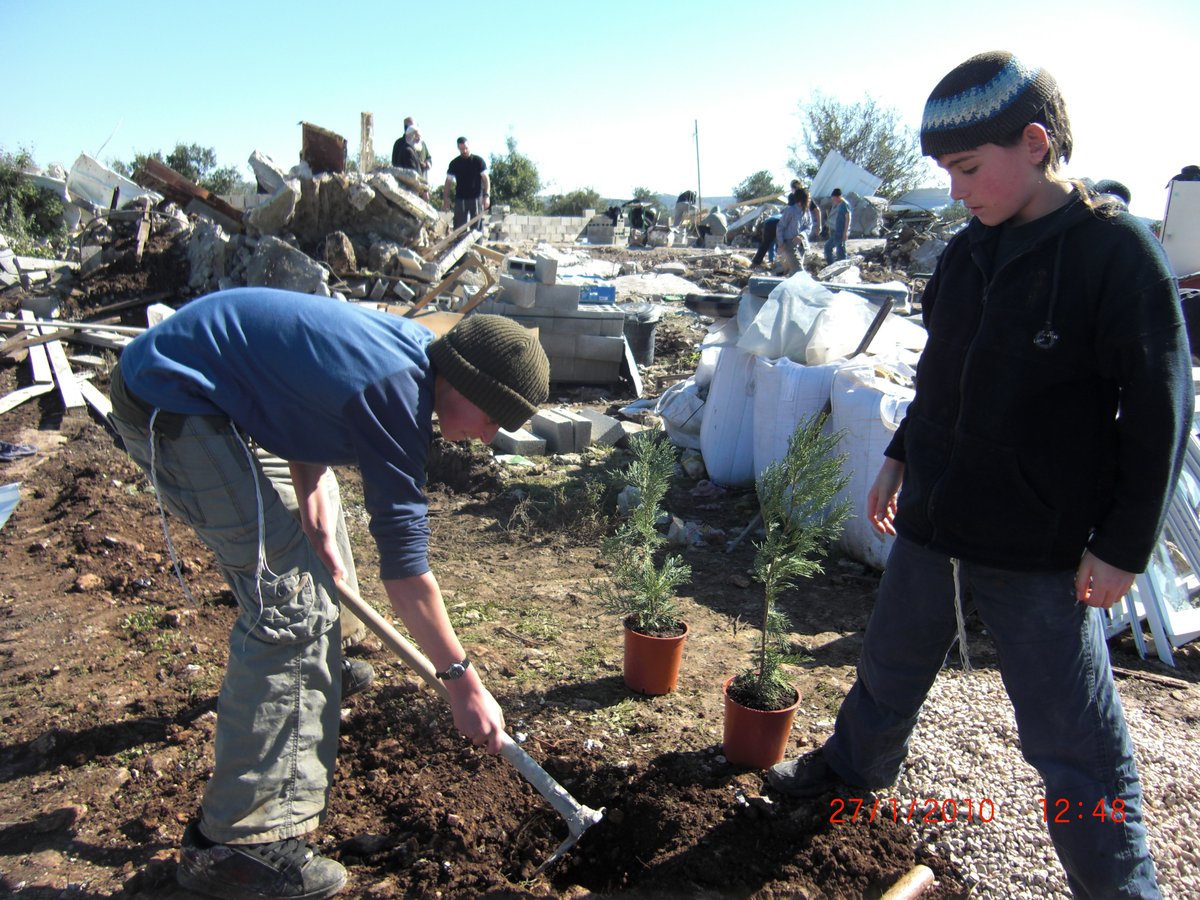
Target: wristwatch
point(455, 670)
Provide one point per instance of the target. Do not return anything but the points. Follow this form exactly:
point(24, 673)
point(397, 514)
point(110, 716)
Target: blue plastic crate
point(598, 293)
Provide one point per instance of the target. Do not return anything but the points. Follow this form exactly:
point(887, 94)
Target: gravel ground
point(966, 746)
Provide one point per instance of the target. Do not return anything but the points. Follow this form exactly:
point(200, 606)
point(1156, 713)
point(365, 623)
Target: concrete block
point(555, 429)
point(584, 325)
point(403, 291)
point(557, 296)
point(545, 268)
point(606, 348)
point(605, 429)
point(600, 234)
point(555, 344)
point(518, 265)
point(518, 291)
point(519, 442)
point(594, 371)
point(582, 427)
point(562, 369)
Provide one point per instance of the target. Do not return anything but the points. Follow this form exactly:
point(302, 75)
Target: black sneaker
point(357, 676)
point(806, 776)
point(281, 870)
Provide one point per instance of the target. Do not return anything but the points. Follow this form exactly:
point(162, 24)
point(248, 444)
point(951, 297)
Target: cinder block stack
point(585, 344)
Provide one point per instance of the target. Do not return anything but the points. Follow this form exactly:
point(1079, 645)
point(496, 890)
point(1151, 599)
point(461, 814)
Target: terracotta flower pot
point(652, 663)
point(756, 738)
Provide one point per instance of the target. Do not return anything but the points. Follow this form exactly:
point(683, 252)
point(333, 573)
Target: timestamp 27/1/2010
point(845, 810)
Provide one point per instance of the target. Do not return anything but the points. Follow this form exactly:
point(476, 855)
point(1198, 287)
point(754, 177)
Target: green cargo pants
point(278, 709)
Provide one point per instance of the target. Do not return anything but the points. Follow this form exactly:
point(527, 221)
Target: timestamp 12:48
point(1061, 810)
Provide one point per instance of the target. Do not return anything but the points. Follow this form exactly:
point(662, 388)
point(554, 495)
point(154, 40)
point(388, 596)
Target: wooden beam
point(20, 395)
point(175, 187)
point(322, 149)
point(72, 326)
point(143, 235)
point(95, 398)
point(436, 249)
point(68, 385)
point(38, 360)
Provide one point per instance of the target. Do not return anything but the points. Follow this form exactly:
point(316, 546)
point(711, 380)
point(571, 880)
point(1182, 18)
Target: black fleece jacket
point(1054, 396)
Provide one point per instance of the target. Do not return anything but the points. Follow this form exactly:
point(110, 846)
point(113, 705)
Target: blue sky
point(607, 94)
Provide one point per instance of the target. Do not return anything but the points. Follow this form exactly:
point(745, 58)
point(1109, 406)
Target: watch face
point(454, 670)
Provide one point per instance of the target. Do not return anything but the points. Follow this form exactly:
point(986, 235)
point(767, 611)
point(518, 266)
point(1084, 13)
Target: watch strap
point(455, 670)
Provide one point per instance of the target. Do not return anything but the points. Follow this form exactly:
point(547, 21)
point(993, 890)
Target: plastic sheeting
point(9, 495)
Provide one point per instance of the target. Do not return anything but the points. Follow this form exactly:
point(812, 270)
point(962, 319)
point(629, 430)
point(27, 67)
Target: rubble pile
point(915, 245)
point(328, 233)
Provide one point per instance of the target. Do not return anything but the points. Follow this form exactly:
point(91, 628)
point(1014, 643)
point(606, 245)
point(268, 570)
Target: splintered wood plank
point(19, 396)
point(96, 398)
point(68, 385)
point(42, 373)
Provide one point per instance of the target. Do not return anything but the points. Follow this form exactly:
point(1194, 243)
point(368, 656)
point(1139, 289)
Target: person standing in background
point(467, 177)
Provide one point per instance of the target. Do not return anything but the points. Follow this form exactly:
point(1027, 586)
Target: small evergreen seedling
point(796, 495)
point(642, 590)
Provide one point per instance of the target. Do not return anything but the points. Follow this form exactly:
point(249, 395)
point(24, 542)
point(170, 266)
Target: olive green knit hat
point(985, 100)
point(497, 364)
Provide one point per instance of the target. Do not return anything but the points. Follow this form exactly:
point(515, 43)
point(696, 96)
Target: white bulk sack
point(868, 409)
point(727, 432)
point(785, 394)
point(682, 410)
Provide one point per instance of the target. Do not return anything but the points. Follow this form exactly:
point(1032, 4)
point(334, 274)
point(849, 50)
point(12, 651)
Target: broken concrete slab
point(361, 195)
point(339, 254)
point(273, 214)
point(278, 264)
point(269, 176)
point(385, 184)
point(207, 248)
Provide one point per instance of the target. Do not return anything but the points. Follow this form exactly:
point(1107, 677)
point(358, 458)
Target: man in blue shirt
point(317, 382)
point(839, 228)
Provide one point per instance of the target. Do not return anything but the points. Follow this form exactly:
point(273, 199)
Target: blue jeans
point(1055, 667)
point(835, 249)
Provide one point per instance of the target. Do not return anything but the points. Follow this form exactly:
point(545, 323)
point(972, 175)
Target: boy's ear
point(1036, 140)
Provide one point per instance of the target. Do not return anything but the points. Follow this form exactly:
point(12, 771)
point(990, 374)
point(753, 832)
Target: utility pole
point(699, 195)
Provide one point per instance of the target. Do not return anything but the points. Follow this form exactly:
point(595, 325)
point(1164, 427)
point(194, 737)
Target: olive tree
point(865, 133)
point(514, 179)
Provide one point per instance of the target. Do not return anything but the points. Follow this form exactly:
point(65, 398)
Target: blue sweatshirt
point(311, 380)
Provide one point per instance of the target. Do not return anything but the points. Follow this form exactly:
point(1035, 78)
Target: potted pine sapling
point(641, 588)
point(796, 496)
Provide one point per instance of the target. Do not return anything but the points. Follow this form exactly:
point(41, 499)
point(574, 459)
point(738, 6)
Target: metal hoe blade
point(579, 818)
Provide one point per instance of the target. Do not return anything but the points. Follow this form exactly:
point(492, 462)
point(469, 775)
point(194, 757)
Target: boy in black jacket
point(1053, 402)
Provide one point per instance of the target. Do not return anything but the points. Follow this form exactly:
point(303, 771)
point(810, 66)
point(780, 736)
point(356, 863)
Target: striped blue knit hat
point(985, 100)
